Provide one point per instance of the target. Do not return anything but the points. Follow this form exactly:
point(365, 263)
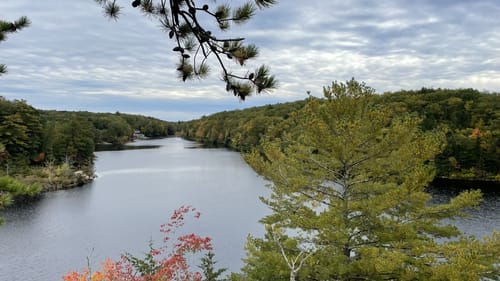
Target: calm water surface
point(481, 221)
point(135, 192)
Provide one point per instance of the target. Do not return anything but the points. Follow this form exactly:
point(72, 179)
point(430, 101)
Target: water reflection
point(135, 192)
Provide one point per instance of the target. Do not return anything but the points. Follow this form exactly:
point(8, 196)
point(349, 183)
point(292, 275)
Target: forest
point(44, 150)
point(470, 119)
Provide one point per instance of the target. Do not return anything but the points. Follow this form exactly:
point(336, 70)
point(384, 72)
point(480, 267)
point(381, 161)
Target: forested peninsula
point(44, 150)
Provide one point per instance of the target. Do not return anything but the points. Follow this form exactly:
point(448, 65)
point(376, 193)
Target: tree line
point(48, 150)
point(469, 118)
point(31, 136)
point(348, 202)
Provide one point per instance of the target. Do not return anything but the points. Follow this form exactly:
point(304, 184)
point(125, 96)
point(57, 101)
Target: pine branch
point(265, 3)
point(21, 23)
point(112, 10)
point(3, 69)
point(11, 27)
point(195, 43)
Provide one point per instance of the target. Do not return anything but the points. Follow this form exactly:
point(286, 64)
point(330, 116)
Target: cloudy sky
point(73, 58)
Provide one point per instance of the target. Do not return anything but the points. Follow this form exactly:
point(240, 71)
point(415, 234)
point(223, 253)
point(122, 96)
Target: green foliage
point(11, 27)
point(30, 137)
point(15, 188)
point(12, 190)
point(13, 135)
point(144, 266)
point(197, 39)
point(240, 129)
point(112, 129)
point(348, 178)
point(278, 256)
point(3, 153)
point(74, 146)
point(469, 118)
point(468, 259)
point(263, 260)
point(20, 130)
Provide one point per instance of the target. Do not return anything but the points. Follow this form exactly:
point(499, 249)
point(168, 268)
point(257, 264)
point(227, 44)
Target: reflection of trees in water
point(114, 147)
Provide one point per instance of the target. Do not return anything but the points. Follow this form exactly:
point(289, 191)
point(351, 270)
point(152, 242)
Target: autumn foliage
point(169, 262)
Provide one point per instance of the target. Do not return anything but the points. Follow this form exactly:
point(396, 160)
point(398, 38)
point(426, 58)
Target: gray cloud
point(72, 54)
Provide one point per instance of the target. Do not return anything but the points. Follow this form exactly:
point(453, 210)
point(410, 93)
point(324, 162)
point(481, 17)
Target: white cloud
point(71, 50)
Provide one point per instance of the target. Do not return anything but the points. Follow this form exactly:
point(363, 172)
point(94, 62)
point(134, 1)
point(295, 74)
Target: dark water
point(481, 221)
point(135, 192)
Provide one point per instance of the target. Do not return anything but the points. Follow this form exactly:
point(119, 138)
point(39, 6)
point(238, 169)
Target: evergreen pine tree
point(349, 178)
point(187, 23)
point(208, 267)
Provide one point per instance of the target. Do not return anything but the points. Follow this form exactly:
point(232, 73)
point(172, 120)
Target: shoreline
point(78, 179)
point(486, 185)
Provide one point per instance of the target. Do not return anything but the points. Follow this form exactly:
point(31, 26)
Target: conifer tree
point(208, 267)
point(11, 27)
point(350, 176)
point(196, 28)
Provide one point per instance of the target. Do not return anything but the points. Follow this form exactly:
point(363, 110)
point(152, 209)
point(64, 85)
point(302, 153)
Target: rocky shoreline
point(78, 178)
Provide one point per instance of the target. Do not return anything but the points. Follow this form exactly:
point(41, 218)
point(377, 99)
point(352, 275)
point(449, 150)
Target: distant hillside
point(471, 119)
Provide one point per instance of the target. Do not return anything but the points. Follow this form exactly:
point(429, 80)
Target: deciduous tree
point(7, 27)
point(12, 189)
point(169, 262)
